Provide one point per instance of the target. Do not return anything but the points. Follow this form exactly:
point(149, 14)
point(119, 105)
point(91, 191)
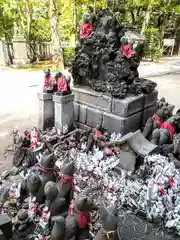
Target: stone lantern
point(19, 48)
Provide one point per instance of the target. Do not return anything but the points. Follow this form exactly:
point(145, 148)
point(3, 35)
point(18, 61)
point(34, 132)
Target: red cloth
point(45, 238)
point(86, 30)
point(170, 127)
point(127, 50)
point(27, 137)
point(83, 218)
point(62, 84)
point(159, 121)
point(172, 182)
point(108, 151)
point(97, 133)
point(35, 141)
point(162, 191)
point(46, 170)
point(48, 81)
point(65, 178)
point(35, 208)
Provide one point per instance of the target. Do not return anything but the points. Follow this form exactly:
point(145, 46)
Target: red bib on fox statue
point(127, 50)
point(159, 121)
point(86, 28)
point(48, 81)
point(62, 84)
point(83, 217)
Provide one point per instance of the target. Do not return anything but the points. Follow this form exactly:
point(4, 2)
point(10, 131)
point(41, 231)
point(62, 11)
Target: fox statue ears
point(68, 168)
point(105, 212)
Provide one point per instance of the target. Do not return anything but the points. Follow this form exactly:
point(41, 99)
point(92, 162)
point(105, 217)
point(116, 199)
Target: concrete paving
point(169, 87)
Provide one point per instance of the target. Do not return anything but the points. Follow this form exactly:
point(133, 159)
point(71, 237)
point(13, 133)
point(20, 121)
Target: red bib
point(159, 121)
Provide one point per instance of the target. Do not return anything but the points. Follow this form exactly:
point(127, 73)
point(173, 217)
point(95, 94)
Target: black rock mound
point(106, 60)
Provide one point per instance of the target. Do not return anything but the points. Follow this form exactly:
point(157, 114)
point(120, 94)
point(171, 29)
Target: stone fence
point(36, 51)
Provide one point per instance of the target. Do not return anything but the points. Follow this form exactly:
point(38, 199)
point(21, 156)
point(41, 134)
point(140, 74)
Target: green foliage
point(152, 48)
point(32, 17)
point(68, 55)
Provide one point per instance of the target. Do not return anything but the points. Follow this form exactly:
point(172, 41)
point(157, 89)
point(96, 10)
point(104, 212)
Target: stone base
point(6, 226)
point(116, 115)
point(18, 62)
point(46, 111)
point(148, 112)
point(64, 112)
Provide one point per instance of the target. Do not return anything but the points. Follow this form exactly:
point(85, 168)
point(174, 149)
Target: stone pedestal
point(116, 115)
point(46, 110)
point(20, 51)
point(64, 112)
point(5, 226)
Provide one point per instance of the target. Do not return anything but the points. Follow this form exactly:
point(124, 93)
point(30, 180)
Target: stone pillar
point(20, 51)
point(46, 110)
point(64, 112)
point(2, 55)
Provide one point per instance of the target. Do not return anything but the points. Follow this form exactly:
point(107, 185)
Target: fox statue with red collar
point(63, 84)
point(165, 134)
point(156, 121)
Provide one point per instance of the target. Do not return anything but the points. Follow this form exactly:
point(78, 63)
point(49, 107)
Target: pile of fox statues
point(71, 190)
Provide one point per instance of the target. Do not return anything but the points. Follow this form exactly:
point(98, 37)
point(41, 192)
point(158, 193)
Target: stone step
point(121, 107)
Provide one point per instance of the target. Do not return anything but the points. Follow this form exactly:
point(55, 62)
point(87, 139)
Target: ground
point(19, 104)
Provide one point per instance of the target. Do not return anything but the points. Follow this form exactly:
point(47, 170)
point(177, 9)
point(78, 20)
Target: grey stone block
point(128, 106)
point(87, 96)
point(94, 117)
point(64, 112)
point(114, 123)
point(76, 111)
point(46, 111)
point(158, 237)
point(127, 158)
point(2, 236)
point(151, 99)
point(82, 114)
point(140, 145)
point(148, 112)
point(6, 226)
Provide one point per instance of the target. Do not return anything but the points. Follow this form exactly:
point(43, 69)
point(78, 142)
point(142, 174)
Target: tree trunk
point(57, 52)
point(94, 7)
point(29, 11)
point(75, 23)
point(146, 19)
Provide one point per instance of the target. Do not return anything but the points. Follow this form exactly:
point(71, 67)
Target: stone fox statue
point(109, 224)
point(80, 211)
point(156, 121)
point(66, 182)
point(165, 134)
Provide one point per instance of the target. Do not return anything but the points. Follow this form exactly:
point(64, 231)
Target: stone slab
point(6, 226)
point(63, 99)
point(20, 62)
point(128, 106)
point(148, 112)
point(127, 158)
point(45, 96)
point(151, 99)
point(76, 111)
point(123, 125)
point(82, 114)
point(87, 96)
point(158, 237)
point(2, 236)
point(46, 111)
point(141, 145)
point(94, 117)
point(64, 112)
